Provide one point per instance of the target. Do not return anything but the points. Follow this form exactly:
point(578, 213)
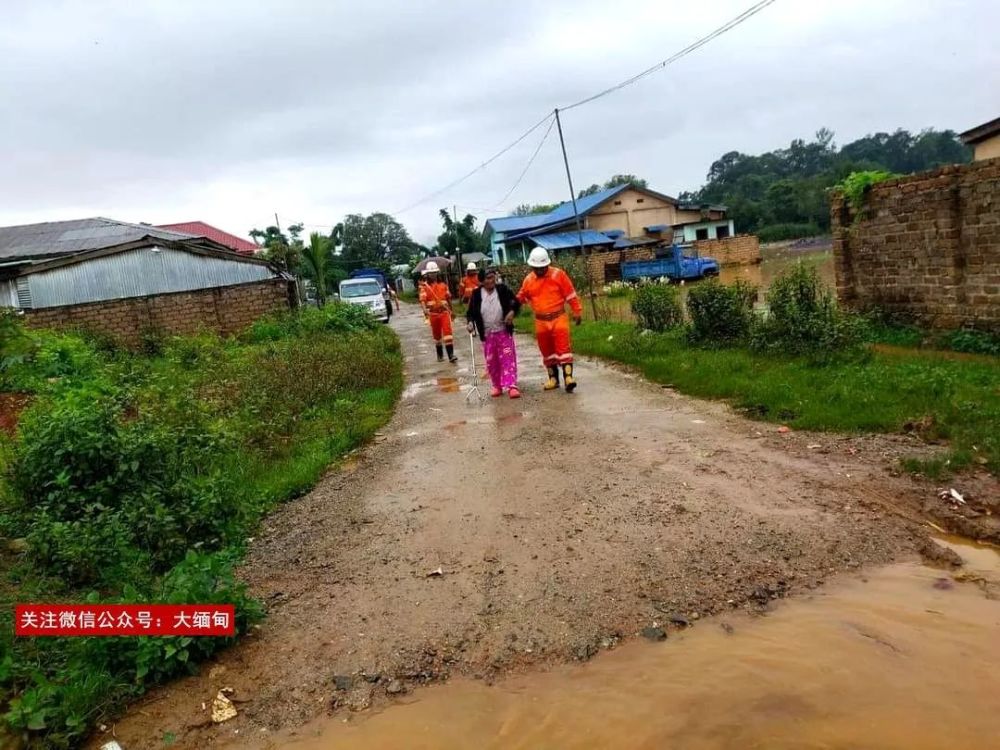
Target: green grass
point(957, 401)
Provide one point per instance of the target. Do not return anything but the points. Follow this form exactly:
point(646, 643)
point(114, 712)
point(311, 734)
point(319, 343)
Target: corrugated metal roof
point(614, 233)
point(563, 240)
point(201, 229)
point(57, 238)
point(561, 213)
point(657, 227)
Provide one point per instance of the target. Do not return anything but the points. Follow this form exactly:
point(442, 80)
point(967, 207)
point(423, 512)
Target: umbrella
point(443, 263)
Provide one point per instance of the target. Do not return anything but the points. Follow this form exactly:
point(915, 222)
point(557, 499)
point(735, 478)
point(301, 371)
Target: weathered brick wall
point(598, 261)
point(924, 247)
point(225, 310)
point(739, 250)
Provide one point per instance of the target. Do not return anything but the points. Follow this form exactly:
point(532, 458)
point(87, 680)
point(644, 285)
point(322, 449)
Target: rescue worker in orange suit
point(435, 300)
point(470, 282)
point(548, 290)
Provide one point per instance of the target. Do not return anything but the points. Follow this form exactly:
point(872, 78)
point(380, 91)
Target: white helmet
point(431, 267)
point(471, 266)
point(539, 258)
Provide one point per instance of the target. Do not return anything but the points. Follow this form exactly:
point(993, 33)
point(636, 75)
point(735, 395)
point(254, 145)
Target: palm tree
point(316, 258)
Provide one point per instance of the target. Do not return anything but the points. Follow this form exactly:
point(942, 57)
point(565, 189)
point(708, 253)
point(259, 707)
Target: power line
point(528, 165)
point(731, 24)
point(482, 166)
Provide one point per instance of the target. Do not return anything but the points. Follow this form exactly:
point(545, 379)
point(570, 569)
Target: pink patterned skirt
point(501, 359)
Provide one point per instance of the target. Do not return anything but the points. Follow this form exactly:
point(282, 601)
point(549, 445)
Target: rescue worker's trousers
point(554, 340)
point(441, 327)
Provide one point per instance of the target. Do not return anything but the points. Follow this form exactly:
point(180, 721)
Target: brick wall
point(598, 261)
point(224, 310)
point(924, 247)
point(739, 250)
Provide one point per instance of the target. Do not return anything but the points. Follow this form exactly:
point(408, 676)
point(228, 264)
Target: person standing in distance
point(435, 300)
point(548, 290)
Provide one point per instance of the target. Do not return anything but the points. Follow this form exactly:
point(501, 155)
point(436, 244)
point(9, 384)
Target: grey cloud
point(228, 111)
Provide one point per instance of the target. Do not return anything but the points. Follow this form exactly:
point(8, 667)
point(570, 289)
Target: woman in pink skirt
point(491, 314)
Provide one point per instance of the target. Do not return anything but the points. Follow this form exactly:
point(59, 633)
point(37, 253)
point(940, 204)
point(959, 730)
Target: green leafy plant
point(856, 185)
point(657, 307)
point(721, 315)
point(803, 319)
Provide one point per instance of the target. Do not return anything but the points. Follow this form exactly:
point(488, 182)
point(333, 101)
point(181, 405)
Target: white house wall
point(137, 273)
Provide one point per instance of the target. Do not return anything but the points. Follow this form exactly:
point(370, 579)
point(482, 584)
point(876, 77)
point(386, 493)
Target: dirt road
point(561, 524)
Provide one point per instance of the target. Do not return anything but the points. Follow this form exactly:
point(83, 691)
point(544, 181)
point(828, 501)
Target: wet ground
point(902, 657)
point(483, 542)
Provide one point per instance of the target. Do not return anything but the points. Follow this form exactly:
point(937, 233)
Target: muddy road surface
point(483, 540)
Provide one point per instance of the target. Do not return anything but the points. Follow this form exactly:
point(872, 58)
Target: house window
point(618, 203)
point(640, 200)
point(701, 234)
point(722, 232)
point(612, 272)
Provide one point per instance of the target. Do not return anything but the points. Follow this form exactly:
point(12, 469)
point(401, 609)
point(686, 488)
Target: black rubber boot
point(451, 353)
point(440, 352)
point(568, 378)
point(553, 381)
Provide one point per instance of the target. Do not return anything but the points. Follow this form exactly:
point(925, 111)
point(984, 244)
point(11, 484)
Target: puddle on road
point(889, 663)
point(504, 419)
point(447, 385)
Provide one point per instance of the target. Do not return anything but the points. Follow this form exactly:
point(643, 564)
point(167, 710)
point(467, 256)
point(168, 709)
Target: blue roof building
point(621, 217)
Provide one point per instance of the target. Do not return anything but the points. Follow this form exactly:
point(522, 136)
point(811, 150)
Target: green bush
point(857, 184)
point(657, 307)
point(972, 341)
point(139, 475)
point(803, 319)
point(96, 494)
point(720, 314)
point(334, 317)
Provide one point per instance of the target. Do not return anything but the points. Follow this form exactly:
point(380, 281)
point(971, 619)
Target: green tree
point(527, 209)
point(614, 181)
point(281, 249)
point(469, 239)
point(317, 264)
point(376, 239)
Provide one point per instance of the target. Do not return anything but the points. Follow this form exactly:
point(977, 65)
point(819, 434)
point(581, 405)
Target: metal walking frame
point(475, 375)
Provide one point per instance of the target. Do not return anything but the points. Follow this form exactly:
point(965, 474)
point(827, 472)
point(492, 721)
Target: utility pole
point(576, 214)
point(458, 250)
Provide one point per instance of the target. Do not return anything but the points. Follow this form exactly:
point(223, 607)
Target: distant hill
point(782, 194)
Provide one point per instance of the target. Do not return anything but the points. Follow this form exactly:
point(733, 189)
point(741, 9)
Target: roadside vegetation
point(802, 362)
point(138, 476)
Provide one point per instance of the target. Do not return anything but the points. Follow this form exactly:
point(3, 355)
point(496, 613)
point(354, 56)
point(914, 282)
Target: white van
point(366, 292)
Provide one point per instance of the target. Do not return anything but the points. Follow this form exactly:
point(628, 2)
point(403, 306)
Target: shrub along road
point(480, 540)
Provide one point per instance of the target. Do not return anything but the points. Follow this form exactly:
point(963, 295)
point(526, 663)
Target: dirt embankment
point(480, 540)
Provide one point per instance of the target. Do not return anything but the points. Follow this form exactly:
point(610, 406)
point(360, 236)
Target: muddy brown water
point(776, 262)
point(892, 659)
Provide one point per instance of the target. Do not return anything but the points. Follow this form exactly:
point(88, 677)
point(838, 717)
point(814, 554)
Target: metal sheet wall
point(138, 273)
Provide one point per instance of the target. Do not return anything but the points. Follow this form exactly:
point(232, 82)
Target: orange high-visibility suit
point(548, 296)
point(470, 282)
point(434, 297)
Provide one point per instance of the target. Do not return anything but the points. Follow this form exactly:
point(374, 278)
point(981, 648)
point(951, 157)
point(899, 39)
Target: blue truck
point(675, 266)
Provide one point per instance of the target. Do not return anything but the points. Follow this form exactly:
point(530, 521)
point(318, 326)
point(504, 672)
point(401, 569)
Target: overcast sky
point(230, 111)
